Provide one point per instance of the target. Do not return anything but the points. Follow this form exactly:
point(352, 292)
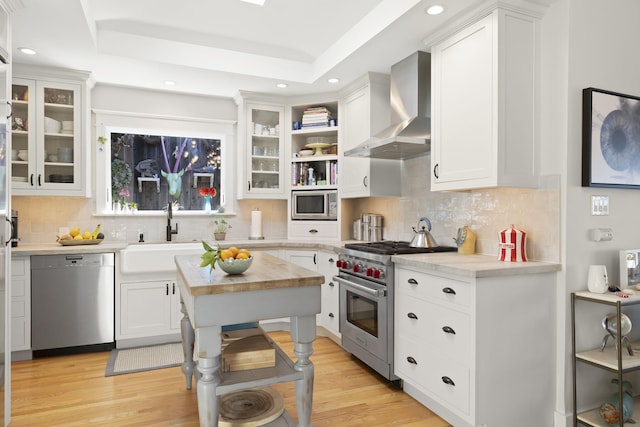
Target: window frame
point(106, 123)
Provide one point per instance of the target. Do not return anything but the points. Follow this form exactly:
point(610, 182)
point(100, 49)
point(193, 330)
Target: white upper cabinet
point(260, 149)
point(484, 127)
point(364, 111)
point(49, 134)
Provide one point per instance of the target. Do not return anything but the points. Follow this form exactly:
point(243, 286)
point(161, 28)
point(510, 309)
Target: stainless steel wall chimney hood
point(410, 132)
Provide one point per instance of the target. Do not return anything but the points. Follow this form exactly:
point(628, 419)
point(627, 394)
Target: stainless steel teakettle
point(422, 238)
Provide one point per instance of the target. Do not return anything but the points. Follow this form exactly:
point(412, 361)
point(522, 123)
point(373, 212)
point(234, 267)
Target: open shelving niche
point(325, 166)
point(614, 359)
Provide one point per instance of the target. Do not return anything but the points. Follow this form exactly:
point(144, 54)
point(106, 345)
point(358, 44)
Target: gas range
point(372, 260)
point(391, 247)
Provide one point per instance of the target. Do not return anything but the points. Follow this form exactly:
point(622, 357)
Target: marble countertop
point(472, 266)
point(266, 272)
point(116, 246)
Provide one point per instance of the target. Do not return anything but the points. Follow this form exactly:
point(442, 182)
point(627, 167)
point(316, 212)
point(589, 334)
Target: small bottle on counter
point(312, 178)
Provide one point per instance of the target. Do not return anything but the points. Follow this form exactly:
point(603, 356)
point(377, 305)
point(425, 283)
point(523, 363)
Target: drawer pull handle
point(449, 291)
point(412, 360)
point(331, 315)
point(448, 380)
point(331, 284)
point(412, 281)
point(412, 316)
point(449, 330)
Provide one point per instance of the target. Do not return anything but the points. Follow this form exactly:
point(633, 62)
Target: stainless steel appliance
point(365, 275)
point(409, 134)
point(314, 205)
point(72, 303)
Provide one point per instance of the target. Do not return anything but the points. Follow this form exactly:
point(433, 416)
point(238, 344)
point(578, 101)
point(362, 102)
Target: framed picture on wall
point(610, 139)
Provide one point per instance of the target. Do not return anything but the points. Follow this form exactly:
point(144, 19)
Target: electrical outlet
point(599, 205)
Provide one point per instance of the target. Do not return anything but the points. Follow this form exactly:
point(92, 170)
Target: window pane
point(153, 170)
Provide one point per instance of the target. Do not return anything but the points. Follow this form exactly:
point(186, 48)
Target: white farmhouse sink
point(155, 257)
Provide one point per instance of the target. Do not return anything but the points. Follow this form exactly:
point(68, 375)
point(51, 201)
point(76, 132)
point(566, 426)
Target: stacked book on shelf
point(316, 117)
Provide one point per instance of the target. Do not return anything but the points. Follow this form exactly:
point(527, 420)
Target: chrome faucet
point(170, 229)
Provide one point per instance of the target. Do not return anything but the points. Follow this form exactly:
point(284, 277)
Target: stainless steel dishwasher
point(72, 303)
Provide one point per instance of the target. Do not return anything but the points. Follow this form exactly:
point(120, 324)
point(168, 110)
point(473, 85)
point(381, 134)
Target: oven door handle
point(362, 288)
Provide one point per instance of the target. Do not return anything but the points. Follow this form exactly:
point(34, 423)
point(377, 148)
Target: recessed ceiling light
point(435, 9)
point(282, 85)
point(170, 82)
point(333, 80)
point(258, 2)
point(27, 51)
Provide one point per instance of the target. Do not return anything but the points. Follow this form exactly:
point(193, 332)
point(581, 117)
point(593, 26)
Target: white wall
point(589, 43)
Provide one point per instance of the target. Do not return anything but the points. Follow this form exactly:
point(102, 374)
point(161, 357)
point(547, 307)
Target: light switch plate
point(599, 205)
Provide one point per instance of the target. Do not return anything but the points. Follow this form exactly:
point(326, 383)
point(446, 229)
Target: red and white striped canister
point(513, 245)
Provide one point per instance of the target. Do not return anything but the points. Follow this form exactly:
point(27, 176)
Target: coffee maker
point(14, 228)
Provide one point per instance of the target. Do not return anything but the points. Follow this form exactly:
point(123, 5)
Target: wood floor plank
point(72, 391)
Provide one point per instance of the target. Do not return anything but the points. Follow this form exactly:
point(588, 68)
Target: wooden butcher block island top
point(266, 272)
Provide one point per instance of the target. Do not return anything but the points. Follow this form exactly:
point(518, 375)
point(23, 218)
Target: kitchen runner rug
point(139, 359)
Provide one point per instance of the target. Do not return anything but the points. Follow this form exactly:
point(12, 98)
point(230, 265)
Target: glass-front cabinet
point(47, 133)
point(262, 174)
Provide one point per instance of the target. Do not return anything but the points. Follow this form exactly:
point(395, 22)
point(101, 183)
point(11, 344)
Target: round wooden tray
point(71, 242)
point(250, 408)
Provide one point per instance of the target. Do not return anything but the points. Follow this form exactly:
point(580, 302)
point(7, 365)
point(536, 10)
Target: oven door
point(364, 316)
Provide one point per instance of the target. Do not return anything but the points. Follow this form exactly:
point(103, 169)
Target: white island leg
point(209, 362)
point(303, 333)
point(188, 338)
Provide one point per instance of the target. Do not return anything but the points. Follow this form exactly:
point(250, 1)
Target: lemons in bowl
point(234, 260)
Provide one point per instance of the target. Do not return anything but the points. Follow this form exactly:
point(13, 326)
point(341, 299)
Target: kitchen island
point(271, 288)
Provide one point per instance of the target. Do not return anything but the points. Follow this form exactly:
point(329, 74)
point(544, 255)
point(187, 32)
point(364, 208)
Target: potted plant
point(221, 227)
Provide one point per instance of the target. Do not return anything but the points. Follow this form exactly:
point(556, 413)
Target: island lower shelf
point(283, 371)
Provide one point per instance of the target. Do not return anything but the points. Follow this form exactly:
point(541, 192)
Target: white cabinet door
point(20, 304)
point(484, 82)
point(364, 112)
point(303, 258)
point(261, 153)
point(330, 315)
point(49, 126)
point(176, 308)
point(145, 308)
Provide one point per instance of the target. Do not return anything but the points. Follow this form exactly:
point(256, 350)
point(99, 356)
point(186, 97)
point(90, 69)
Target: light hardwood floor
point(72, 391)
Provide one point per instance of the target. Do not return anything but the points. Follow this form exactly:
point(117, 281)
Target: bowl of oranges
point(234, 260)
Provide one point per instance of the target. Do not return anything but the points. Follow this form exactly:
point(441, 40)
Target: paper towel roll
point(256, 225)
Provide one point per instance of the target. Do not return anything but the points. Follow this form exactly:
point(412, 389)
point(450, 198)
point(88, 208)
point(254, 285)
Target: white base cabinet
point(20, 303)
point(477, 351)
point(484, 122)
point(149, 308)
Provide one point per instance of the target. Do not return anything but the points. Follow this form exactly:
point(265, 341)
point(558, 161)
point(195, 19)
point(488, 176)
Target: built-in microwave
point(314, 205)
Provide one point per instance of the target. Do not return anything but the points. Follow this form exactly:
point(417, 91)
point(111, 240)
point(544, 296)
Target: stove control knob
point(369, 272)
point(339, 263)
point(346, 264)
point(378, 274)
point(357, 268)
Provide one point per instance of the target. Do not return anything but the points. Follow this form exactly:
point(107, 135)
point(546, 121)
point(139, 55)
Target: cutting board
point(251, 352)
point(250, 408)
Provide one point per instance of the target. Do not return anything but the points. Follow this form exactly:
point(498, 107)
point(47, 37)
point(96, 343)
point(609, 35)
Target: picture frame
point(610, 139)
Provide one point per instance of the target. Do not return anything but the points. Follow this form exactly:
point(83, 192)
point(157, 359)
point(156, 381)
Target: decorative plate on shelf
point(71, 242)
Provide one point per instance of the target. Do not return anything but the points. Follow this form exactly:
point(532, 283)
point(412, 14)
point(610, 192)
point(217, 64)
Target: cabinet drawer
point(427, 370)
point(447, 331)
point(430, 287)
point(18, 287)
point(18, 309)
point(18, 267)
point(327, 229)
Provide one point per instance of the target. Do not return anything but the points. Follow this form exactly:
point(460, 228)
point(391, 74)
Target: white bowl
point(23, 155)
point(53, 158)
point(67, 125)
point(51, 125)
point(305, 152)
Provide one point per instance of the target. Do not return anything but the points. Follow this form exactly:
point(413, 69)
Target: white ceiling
point(217, 47)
